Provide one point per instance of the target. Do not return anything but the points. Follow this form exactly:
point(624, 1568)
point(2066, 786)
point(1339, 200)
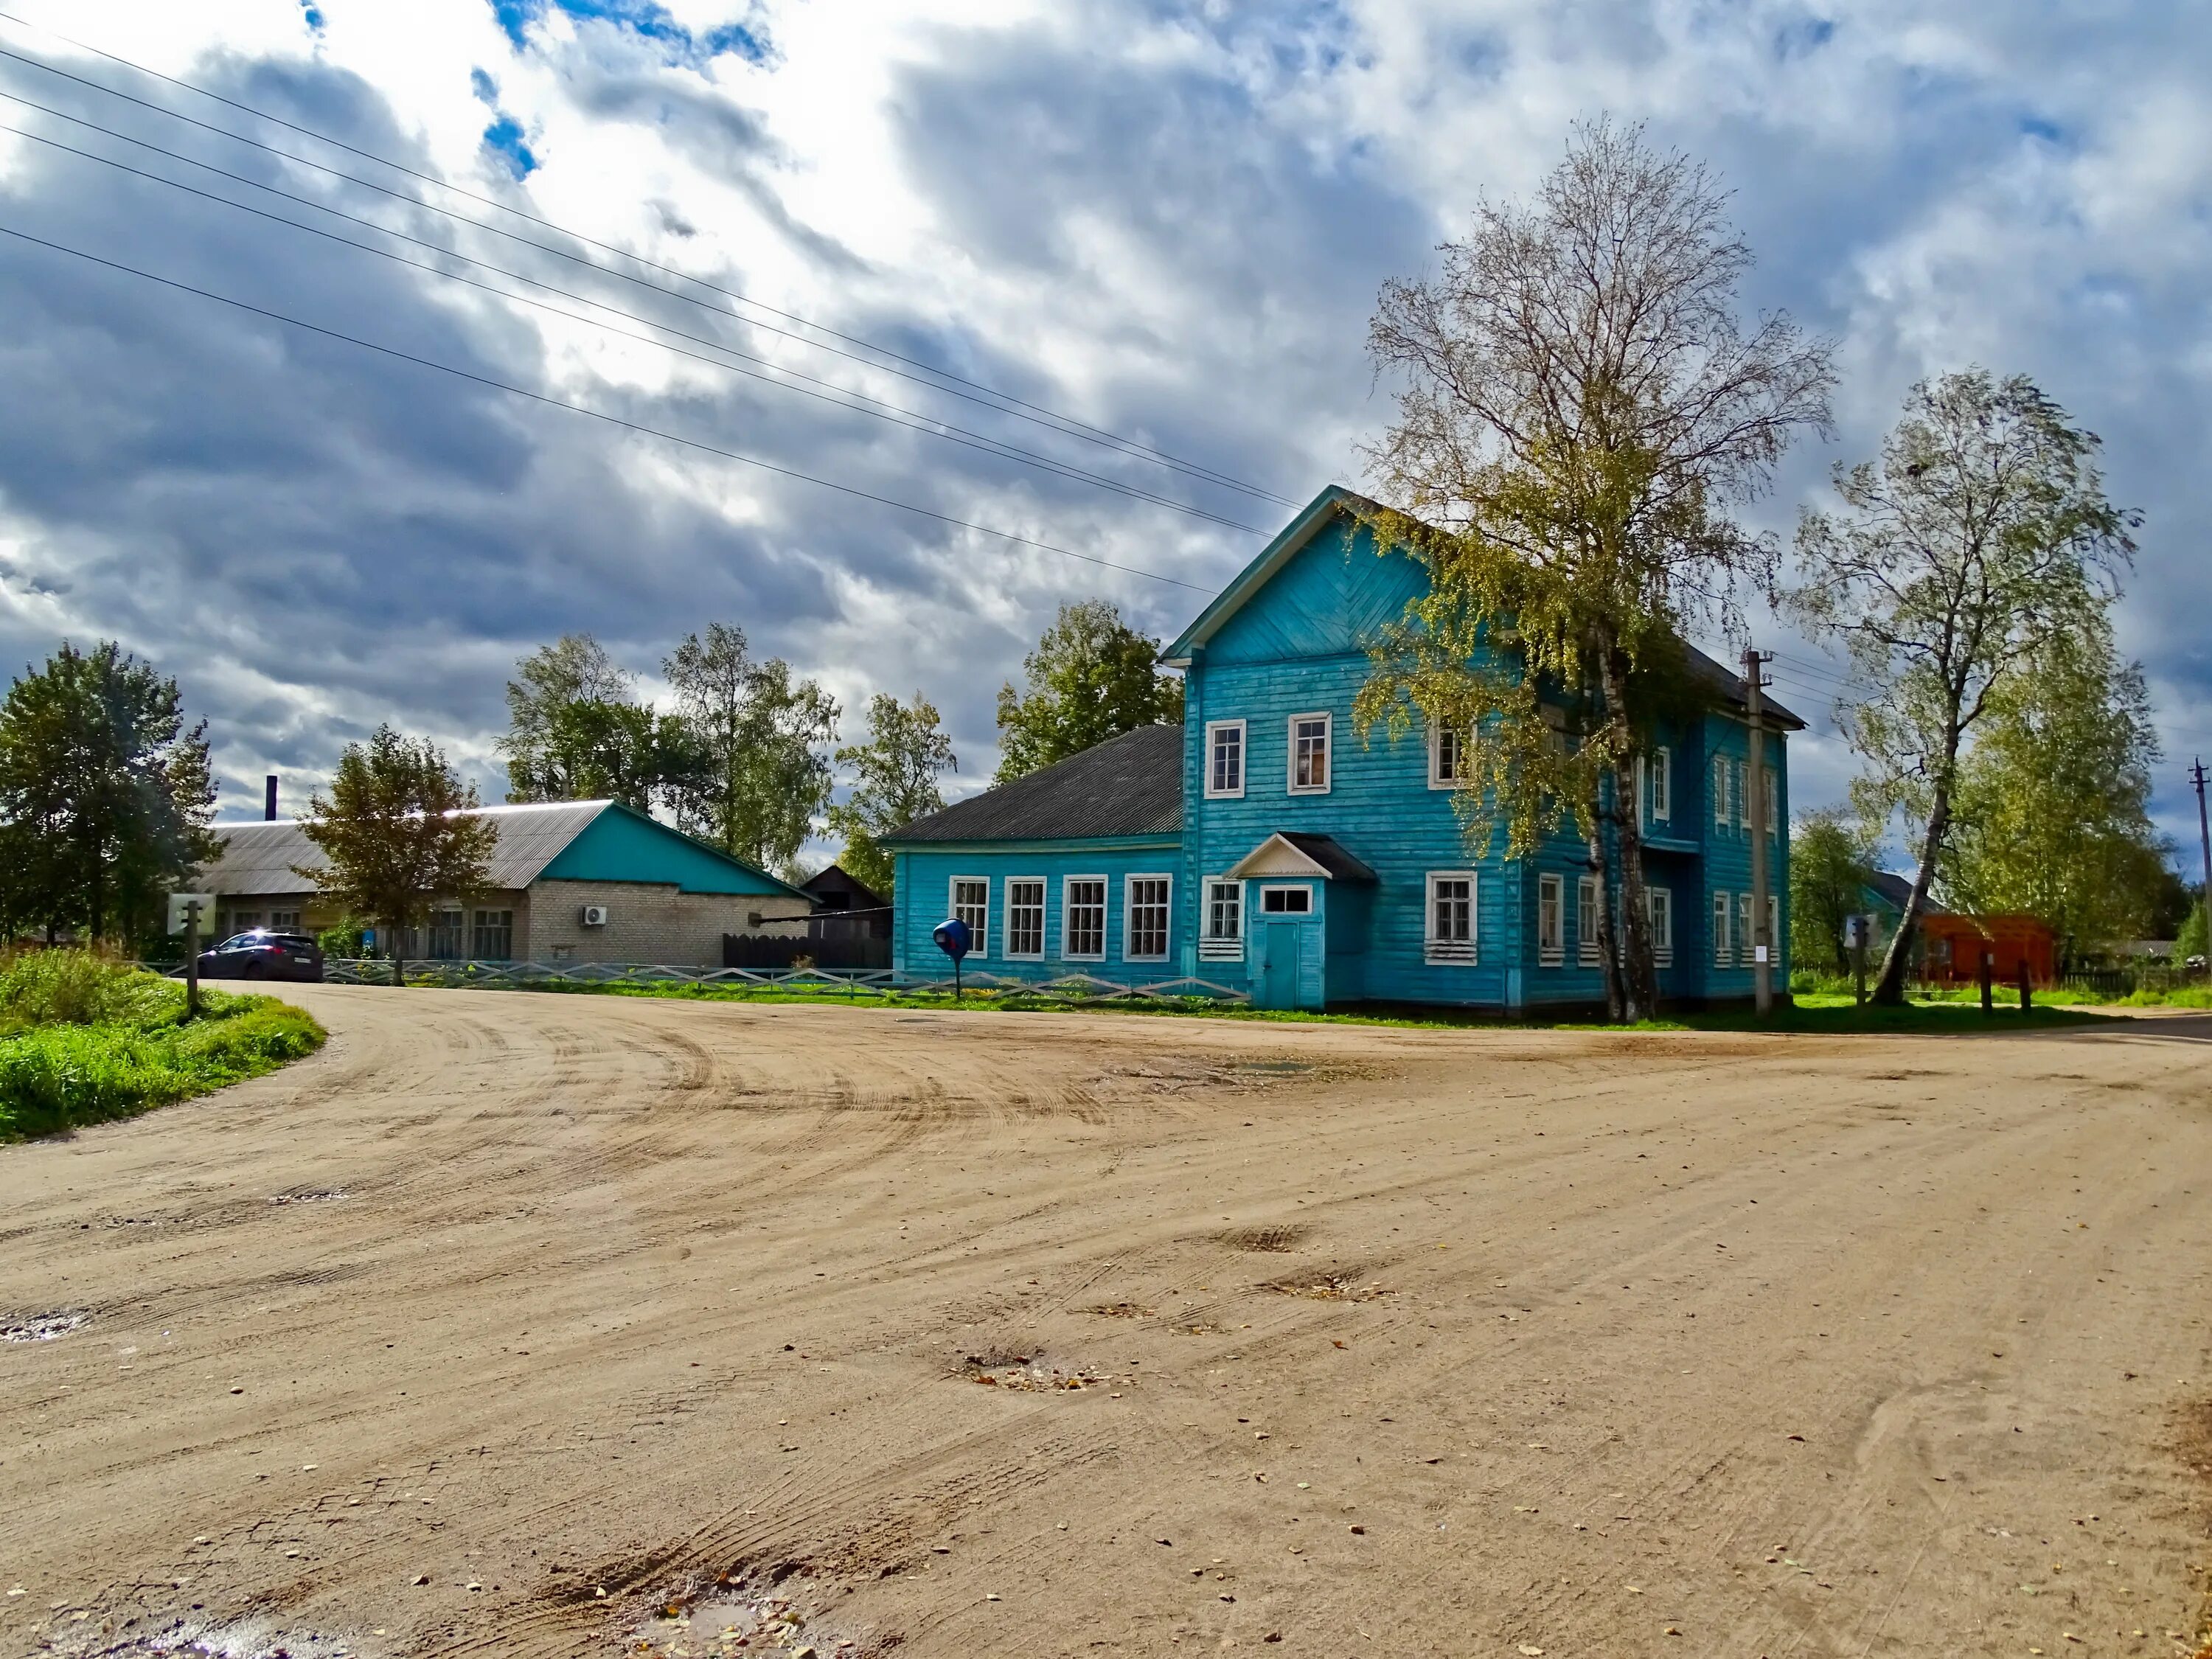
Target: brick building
point(571, 882)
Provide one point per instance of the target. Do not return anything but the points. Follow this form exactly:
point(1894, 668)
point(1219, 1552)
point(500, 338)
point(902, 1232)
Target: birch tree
point(1980, 540)
point(1580, 406)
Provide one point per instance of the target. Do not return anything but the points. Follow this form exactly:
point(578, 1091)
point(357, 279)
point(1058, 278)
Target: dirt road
point(509, 1321)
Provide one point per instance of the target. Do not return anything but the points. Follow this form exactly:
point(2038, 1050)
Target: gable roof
point(1316, 516)
point(1130, 785)
point(1293, 853)
point(597, 840)
point(1892, 889)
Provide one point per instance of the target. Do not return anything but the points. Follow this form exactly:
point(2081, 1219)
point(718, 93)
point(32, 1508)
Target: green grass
point(84, 1040)
point(1814, 1012)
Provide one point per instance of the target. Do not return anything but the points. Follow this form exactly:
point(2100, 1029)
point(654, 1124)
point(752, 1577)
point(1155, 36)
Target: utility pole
point(2196, 776)
point(1762, 945)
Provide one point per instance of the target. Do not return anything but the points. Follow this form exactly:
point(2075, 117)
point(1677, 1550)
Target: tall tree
point(1831, 861)
point(1092, 676)
point(1982, 537)
point(757, 775)
point(1579, 408)
point(896, 772)
point(105, 792)
point(2052, 814)
point(399, 832)
point(564, 727)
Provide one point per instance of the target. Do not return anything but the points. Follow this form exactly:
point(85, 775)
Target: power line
point(885, 411)
point(579, 409)
point(1004, 403)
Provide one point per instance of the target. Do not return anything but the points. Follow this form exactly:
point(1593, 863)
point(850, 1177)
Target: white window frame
point(1659, 922)
point(1304, 894)
point(1551, 920)
point(1445, 952)
point(1220, 947)
point(1743, 794)
point(1214, 728)
point(1043, 916)
point(1291, 785)
point(1773, 800)
point(1774, 931)
point(1743, 935)
point(1720, 769)
point(979, 934)
point(1067, 917)
point(1587, 899)
point(1129, 912)
point(1724, 926)
point(1662, 796)
point(1436, 734)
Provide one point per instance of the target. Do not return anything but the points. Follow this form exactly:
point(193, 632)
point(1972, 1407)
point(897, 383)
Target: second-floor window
point(1447, 757)
point(1224, 758)
point(1309, 754)
point(1720, 789)
point(1661, 795)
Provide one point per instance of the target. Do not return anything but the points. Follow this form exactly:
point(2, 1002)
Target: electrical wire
point(1002, 403)
point(579, 409)
point(882, 411)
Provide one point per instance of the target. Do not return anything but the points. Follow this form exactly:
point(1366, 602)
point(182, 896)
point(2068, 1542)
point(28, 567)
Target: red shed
point(1954, 945)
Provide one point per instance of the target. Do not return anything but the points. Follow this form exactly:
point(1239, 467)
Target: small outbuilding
point(571, 882)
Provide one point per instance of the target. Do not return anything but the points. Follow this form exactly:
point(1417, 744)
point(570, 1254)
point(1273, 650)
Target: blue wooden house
point(1263, 848)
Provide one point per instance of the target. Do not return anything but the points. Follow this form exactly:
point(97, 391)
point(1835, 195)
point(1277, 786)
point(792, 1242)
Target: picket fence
point(523, 975)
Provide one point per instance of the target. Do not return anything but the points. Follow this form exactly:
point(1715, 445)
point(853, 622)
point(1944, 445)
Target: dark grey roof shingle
point(1130, 785)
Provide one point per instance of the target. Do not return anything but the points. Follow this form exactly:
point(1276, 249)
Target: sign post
point(184, 912)
point(953, 938)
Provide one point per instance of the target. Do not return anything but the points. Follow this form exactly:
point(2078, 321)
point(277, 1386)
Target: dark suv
point(263, 955)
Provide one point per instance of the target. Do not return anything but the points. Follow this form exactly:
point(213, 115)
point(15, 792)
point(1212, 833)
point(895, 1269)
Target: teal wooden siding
point(925, 877)
point(1288, 640)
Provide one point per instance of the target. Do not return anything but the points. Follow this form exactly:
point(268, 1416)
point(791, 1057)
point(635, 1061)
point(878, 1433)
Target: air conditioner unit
point(595, 915)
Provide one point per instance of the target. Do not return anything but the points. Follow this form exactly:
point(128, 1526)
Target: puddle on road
point(1029, 1374)
point(194, 1640)
point(44, 1327)
point(311, 1195)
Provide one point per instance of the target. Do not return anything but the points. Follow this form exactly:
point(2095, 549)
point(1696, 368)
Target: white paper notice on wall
point(1758, 954)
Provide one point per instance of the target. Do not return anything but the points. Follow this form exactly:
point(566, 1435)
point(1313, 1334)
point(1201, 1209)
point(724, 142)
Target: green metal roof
point(623, 844)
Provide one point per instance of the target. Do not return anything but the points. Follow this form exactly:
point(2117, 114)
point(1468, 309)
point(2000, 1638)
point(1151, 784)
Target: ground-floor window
point(1551, 924)
point(1660, 906)
point(1743, 929)
point(1144, 919)
point(971, 904)
point(1449, 936)
point(1083, 918)
point(494, 939)
point(444, 941)
point(1586, 921)
point(1723, 952)
point(1223, 939)
point(1025, 917)
point(1774, 930)
point(284, 922)
point(1286, 900)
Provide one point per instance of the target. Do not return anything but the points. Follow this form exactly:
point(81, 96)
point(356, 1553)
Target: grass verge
point(1817, 1013)
point(129, 1049)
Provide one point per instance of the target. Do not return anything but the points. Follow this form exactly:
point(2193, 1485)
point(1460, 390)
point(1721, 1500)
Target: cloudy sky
point(1165, 223)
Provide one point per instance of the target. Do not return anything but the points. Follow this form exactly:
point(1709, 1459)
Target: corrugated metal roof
point(1130, 785)
point(260, 857)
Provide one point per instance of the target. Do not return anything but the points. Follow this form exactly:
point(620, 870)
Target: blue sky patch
point(313, 15)
point(503, 137)
point(646, 19)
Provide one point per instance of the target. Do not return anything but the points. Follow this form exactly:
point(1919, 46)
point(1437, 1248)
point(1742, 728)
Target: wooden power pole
point(2204, 834)
point(1754, 773)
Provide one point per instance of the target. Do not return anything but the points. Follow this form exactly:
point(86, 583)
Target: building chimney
point(269, 800)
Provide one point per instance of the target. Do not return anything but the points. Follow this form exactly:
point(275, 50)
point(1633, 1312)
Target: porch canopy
point(1286, 853)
